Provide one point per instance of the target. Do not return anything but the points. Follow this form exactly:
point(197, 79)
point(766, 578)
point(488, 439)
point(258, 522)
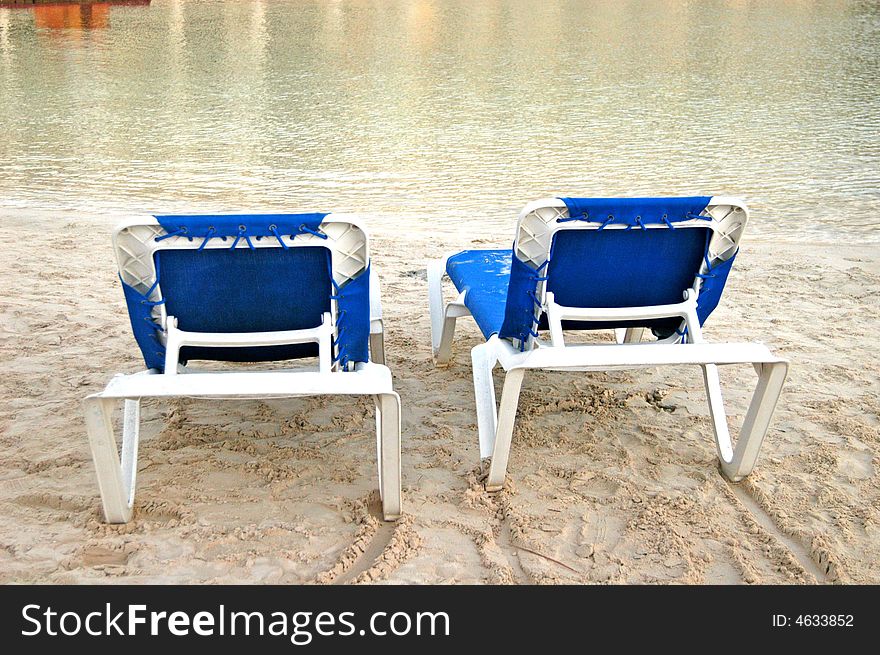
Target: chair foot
point(734, 479)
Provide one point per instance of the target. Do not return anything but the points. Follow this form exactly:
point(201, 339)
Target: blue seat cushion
point(484, 275)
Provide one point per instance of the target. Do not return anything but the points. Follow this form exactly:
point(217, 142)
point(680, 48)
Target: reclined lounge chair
point(604, 263)
point(245, 288)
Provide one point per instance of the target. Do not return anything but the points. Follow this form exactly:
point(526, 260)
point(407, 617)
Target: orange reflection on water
point(72, 16)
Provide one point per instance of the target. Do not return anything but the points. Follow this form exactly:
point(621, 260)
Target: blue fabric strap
point(145, 330)
point(522, 301)
point(713, 285)
point(353, 319)
point(635, 212)
point(240, 226)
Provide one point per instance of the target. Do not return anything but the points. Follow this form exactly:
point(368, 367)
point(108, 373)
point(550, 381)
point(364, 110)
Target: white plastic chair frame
point(134, 243)
point(536, 227)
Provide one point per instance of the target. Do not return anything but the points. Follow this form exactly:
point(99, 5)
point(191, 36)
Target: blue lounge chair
point(245, 288)
point(627, 265)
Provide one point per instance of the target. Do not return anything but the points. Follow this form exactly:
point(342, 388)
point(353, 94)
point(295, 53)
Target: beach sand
point(613, 477)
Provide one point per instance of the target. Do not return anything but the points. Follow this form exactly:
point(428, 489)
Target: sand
point(612, 478)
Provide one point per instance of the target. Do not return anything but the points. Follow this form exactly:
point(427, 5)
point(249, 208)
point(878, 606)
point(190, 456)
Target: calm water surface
point(430, 111)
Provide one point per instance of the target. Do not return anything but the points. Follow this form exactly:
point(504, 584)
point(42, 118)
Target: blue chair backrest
point(237, 273)
point(612, 252)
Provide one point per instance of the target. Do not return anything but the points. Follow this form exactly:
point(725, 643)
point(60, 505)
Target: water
point(431, 111)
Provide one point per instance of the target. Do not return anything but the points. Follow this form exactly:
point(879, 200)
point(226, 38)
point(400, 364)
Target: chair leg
point(131, 426)
point(388, 453)
point(633, 335)
point(377, 342)
point(442, 323)
point(716, 411)
point(116, 480)
point(483, 362)
point(504, 432)
point(628, 335)
point(444, 350)
point(738, 462)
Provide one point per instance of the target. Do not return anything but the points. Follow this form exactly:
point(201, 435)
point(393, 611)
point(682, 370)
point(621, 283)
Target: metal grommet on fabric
point(274, 230)
point(242, 229)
